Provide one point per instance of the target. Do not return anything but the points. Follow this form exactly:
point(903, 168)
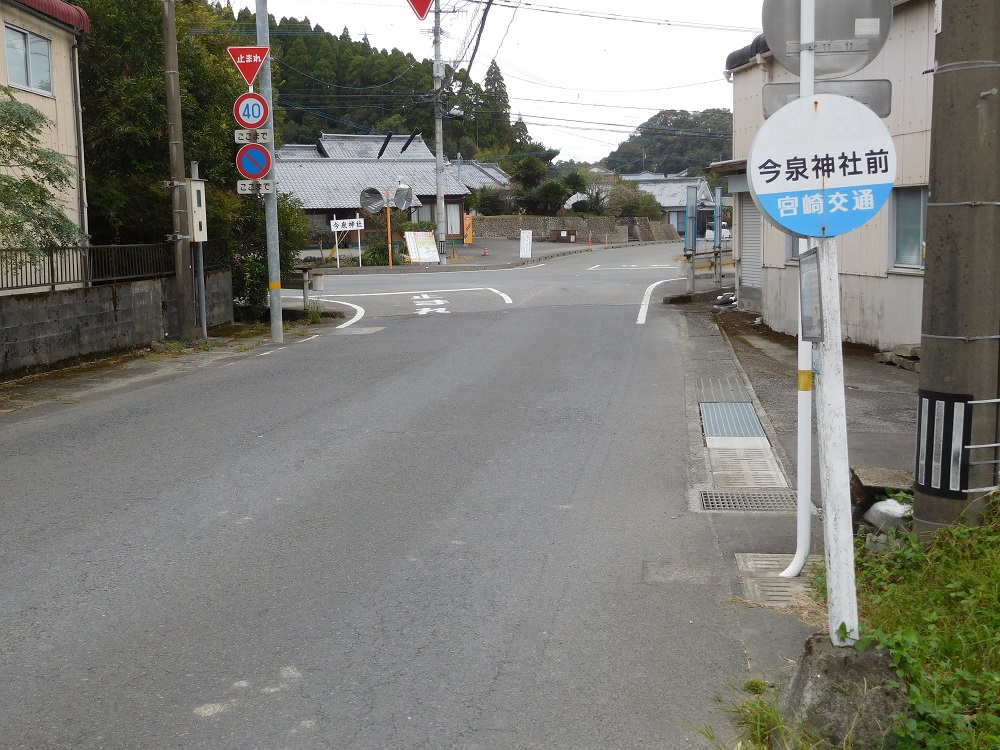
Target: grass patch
point(936, 608)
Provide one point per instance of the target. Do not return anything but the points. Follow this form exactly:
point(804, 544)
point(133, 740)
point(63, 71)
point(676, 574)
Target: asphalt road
point(459, 529)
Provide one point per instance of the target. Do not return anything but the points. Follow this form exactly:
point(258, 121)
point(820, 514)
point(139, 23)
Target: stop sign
point(420, 7)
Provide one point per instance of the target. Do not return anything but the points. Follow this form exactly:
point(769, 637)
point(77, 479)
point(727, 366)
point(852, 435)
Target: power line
point(614, 16)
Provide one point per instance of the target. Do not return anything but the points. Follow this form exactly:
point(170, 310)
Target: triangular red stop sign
point(420, 7)
point(248, 60)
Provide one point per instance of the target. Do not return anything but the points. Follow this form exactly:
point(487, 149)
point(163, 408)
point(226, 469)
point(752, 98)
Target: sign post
point(823, 166)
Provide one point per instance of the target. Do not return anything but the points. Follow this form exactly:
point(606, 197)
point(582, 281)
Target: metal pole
point(199, 258)
point(441, 231)
point(178, 178)
point(270, 199)
point(388, 225)
point(717, 240)
point(803, 469)
point(358, 216)
point(690, 233)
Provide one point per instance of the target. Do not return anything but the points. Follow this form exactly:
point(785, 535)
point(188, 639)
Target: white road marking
point(641, 320)
point(594, 268)
point(308, 338)
point(419, 291)
point(358, 314)
point(635, 268)
point(505, 298)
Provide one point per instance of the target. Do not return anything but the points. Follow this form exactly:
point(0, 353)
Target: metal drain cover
point(749, 500)
point(761, 583)
point(730, 420)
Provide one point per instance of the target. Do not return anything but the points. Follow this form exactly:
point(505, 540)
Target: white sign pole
point(834, 467)
point(831, 419)
point(803, 487)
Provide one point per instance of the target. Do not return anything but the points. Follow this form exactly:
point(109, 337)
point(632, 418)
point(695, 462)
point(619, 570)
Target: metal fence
point(94, 264)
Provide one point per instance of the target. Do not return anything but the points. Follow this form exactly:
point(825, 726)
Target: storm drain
point(749, 500)
point(729, 389)
point(730, 420)
point(752, 465)
point(761, 584)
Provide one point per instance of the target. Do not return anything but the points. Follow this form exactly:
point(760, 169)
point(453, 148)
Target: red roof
point(70, 15)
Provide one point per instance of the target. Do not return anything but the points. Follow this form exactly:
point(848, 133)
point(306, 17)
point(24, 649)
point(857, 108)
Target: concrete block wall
point(41, 329)
point(540, 226)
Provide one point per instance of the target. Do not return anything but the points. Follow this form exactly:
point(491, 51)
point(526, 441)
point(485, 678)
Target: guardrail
point(92, 264)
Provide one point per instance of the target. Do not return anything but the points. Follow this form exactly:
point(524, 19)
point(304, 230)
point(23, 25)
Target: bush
point(377, 254)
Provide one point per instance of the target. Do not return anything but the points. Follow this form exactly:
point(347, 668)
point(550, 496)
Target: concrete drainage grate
point(749, 500)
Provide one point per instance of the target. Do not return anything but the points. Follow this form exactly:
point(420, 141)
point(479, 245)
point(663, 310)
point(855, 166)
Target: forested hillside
point(675, 140)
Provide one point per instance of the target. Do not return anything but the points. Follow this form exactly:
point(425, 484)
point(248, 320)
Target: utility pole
point(960, 347)
point(440, 215)
point(178, 179)
point(270, 199)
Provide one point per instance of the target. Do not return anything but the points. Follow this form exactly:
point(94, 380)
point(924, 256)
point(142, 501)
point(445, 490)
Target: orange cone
point(486, 251)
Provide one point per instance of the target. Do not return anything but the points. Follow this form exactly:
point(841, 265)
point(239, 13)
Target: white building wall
point(880, 305)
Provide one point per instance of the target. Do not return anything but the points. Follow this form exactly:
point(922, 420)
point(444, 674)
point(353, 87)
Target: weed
point(174, 348)
point(934, 607)
point(313, 313)
point(208, 345)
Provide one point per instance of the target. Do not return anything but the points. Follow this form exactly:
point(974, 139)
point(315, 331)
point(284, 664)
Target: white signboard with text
point(421, 247)
point(822, 166)
point(346, 225)
point(525, 244)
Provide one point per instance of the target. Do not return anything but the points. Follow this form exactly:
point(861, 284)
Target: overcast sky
point(581, 73)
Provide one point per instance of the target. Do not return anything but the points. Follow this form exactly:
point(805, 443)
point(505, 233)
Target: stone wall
point(44, 328)
point(510, 227)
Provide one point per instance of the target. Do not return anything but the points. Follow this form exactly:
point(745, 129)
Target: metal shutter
point(751, 243)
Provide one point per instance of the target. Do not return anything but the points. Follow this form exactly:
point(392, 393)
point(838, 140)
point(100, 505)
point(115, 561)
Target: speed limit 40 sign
point(250, 110)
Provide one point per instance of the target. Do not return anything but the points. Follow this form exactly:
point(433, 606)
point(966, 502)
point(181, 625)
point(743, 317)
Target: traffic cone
point(486, 251)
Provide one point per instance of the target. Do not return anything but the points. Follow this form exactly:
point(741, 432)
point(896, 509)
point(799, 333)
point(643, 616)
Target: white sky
point(602, 75)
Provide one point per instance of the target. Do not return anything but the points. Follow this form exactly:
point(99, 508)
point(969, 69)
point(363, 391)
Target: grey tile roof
point(366, 147)
point(476, 175)
point(671, 192)
point(322, 181)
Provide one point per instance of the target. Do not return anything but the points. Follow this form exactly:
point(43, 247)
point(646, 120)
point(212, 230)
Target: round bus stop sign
point(821, 166)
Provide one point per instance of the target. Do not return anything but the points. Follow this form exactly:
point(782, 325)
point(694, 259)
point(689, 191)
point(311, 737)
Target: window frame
point(29, 37)
point(894, 261)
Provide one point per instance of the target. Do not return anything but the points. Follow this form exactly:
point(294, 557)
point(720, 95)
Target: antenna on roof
point(385, 145)
point(409, 140)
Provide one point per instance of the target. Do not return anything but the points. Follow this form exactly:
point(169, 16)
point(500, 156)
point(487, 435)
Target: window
point(909, 226)
point(29, 62)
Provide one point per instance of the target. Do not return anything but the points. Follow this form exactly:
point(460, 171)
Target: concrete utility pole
point(270, 199)
point(960, 350)
point(440, 215)
point(178, 179)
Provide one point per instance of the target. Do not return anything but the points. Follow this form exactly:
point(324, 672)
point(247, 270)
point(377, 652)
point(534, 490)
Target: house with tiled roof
point(40, 65)
point(671, 193)
point(330, 175)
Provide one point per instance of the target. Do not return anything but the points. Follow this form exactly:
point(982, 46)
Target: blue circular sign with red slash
point(253, 161)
